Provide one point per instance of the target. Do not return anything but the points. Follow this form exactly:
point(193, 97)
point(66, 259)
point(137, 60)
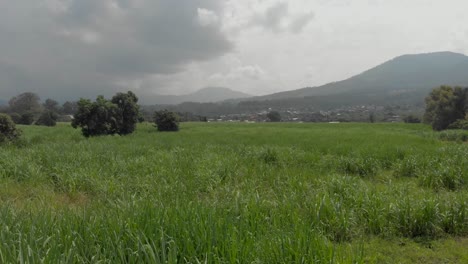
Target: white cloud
point(207, 17)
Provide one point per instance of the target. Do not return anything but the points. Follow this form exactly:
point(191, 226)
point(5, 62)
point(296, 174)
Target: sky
point(67, 49)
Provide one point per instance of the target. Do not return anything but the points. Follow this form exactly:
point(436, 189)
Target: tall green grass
point(228, 193)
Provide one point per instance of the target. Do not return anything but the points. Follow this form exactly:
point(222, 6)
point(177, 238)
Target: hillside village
point(359, 113)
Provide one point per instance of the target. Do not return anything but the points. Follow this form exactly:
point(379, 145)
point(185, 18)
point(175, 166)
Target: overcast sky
point(66, 49)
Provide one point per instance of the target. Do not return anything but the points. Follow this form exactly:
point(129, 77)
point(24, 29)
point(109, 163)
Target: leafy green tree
point(25, 103)
point(444, 106)
point(104, 117)
point(274, 116)
point(96, 118)
point(69, 108)
point(15, 117)
point(47, 118)
point(27, 118)
point(128, 112)
point(8, 130)
point(166, 120)
point(51, 105)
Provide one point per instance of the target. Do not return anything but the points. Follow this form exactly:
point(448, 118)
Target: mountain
point(406, 79)
point(205, 95)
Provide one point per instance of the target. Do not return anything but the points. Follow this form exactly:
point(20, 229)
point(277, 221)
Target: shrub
point(8, 131)
point(47, 118)
point(459, 124)
point(412, 119)
point(274, 116)
point(166, 120)
point(454, 135)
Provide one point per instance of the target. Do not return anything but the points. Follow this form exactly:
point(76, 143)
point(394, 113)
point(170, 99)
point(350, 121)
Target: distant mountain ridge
point(407, 78)
point(205, 95)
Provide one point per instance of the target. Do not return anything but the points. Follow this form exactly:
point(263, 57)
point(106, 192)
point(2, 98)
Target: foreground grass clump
point(225, 193)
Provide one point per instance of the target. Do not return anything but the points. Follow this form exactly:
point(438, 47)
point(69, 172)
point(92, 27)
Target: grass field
point(235, 193)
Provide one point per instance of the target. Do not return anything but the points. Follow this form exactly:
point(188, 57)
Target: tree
point(128, 112)
point(96, 118)
point(15, 117)
point(166, 121)
point(25, 103)
point(26, 118)
point(274, 116)
point(47, 118)
point(69, 108)
point(444, 106)
point(8, 130)
point(51, 105)
point(104, 117)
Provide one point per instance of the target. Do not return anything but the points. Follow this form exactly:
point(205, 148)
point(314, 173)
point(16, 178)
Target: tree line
point(27, 109)
point(119, 115)
point(446, 108)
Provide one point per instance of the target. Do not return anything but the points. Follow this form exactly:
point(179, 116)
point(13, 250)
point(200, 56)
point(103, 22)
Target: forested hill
point(406, 79)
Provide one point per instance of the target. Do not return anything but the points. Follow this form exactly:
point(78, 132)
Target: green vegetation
point(228, 193)
point(47, 118)
point(274, 116)
point(411, 119)
point(104, 117)
point(8, 131)
point(166, 120)
point(447, 107)
point(26, 109)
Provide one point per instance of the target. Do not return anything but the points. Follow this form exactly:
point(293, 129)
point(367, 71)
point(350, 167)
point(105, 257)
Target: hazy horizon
point(82, 48)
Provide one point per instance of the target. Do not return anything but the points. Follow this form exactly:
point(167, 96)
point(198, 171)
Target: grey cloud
point(273, 16)
point(298, 24)
point(86, 47)
point(278, 18)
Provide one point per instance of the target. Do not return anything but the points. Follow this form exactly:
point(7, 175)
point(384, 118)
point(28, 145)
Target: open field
point(228, 193)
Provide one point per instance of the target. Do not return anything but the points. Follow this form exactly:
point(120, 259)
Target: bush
point(47, 118)
point(459, 124)
point(412, 119)
point(274, 116)
point(8, 131)
point(454, 135)
point(166, 121)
